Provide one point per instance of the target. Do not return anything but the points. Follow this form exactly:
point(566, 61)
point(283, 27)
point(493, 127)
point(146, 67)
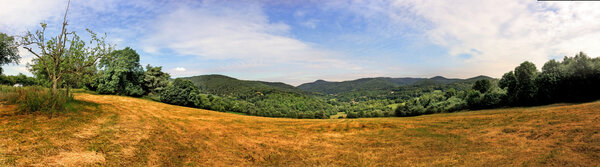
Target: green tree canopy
point(121, 73)
point(8, 50)
point(155, 80)
point(509, 82)
point(482, 85)
point(526, 89)
point(181, 92)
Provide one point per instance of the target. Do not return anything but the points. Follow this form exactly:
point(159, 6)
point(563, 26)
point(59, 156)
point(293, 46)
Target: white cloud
point(498, 34)
point(244, 36)
point(180, 69)
point(17, 16)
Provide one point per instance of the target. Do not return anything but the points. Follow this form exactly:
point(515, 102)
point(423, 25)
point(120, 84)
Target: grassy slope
point(124, 131)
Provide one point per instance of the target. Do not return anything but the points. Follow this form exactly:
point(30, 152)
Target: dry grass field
point(104, 130)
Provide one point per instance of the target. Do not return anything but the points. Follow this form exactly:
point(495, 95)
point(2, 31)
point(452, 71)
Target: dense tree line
point(183, 92)
point(19, 79)
point(574, 79)
point(262, 98)
point(367, 109)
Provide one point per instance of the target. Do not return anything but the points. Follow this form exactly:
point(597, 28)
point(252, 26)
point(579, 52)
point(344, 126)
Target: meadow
point(109, 130)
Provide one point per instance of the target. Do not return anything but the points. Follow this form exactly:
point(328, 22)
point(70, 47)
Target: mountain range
point(228, 86)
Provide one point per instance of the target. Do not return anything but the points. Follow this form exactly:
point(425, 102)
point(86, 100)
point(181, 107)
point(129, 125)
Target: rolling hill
point(108, 130)
point(227, 86)
point(380, 83)
point(273, 99)
point(231, 87)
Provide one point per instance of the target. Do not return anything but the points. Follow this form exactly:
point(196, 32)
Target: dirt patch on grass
point(75, 159)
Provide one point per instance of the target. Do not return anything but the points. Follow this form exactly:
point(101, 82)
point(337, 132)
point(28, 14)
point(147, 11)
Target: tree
point(509, 82)
point(548, 82)
point(64, 54)
point(474, 99)
point(181, 92)
point(121, 73)
point(449, 93)
point(482, 85)
point(493, 98)
point(351, 114)
point(154, 79)
point(526, 88)
point(582, 76)
point(8, 50)
point(202, 101)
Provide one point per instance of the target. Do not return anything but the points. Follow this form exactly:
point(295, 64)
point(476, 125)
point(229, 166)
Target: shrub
point(181, 92)
point(351, 114)
point(9, 94)
point(474, 99)
point(35, 99)
point(40, 99)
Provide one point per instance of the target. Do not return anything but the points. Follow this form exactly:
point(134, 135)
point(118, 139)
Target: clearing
point(122, 131)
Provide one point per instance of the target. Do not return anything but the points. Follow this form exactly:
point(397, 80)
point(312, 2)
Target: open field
point(123, 131)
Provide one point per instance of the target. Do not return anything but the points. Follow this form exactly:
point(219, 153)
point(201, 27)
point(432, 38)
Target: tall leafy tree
point(121, 73)
point(8, 50)
point(64, 54)
point(154, 79)
point(509, 82)
point(548, 82)
point(181, 92)
point(482, 85)
point(581, 77)
point(526, 88)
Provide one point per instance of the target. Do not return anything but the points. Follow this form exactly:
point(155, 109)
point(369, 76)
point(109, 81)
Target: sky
point(296, 41)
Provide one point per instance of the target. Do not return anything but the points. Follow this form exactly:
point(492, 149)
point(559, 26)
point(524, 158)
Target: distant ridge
point(379, 83)
point(228, 86)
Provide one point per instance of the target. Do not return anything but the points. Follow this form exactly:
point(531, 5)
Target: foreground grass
point(121, 131)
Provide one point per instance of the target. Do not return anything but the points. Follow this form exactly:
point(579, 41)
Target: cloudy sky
point(302, 41)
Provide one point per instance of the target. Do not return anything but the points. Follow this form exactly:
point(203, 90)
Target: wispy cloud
point(180, 69)
point(243, 35)
point(17, 16)
point(496, 34)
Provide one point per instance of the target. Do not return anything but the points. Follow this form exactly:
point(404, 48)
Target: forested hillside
point(230, 87)
point(366, 97)
point(386, 88)
point(380, 83)
point(272, 99)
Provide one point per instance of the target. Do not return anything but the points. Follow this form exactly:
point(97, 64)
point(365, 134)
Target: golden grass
point(124, 131)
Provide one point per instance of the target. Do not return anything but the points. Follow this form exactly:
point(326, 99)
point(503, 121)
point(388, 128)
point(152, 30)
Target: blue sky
point(302, 41)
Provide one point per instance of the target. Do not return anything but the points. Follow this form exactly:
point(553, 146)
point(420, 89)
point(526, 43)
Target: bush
point(351, 114)
point(42, 100)
point(35, 99)
point(455, 104)
point(181, 92)
point(9, 94)
point(474, 99)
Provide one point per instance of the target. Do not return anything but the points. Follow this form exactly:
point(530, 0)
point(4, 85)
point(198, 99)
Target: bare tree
point(65, 54)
